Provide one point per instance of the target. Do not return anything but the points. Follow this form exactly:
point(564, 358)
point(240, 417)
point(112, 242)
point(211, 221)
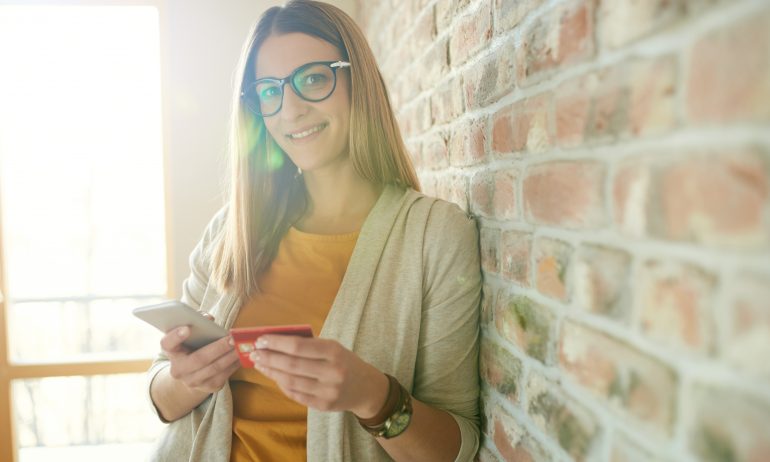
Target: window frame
point(10, 371)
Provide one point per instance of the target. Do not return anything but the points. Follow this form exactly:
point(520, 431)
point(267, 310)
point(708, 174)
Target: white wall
point(201, 42)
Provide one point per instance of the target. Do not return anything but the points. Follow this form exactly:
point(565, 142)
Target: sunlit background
point(81, 182)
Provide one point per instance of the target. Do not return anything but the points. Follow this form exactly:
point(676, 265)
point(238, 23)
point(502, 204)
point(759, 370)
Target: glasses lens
point(314, 82)
point(268, 94)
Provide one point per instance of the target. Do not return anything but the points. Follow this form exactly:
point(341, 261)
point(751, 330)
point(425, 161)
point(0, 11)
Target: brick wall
point(617, 154)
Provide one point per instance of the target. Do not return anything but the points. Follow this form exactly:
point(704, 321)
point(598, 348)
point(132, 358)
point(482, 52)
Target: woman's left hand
point(322, 374)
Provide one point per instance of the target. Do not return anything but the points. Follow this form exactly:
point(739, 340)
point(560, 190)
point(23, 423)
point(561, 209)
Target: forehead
point(281, 54)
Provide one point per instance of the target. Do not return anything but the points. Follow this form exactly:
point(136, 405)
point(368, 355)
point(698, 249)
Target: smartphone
point(169, 315)
point(246, 337)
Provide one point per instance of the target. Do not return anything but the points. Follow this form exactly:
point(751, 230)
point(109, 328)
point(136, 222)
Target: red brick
point(447, 11)
point(564, 420)
point(652, 107)
point(473, 33)
point(747, 339)
point(502, 131)
point(552, 261)
point(447, 101)
point(467, 145)
point(433, 66)
point(415, 120)
point(572, 104)
point(730, 424)
point(509, 13)
point(453, 188)
point(523, 126)
point(622, 21)
point(636, 97)
point(610, 105)
point(714, 199)
point(561, 37)
point(674, 303)
point(593, 106)
point(515, 248)
point(434, 152)
point(631, 197)
point(512, 441)
point(504, 198)
point(601, 281)
point(490, 242)
point(492, 78)
point(482, 194)
point(500, 369)
point(526, 324)
point(488, 303)
point(566, 194)
point(729, 73)
point(621, 376)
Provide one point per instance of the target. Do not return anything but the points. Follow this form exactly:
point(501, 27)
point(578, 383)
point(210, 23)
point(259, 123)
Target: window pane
point(80, 151)
point(80, 331)
point(107, 415)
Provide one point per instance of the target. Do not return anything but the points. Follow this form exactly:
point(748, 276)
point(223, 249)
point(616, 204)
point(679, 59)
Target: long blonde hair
point(265, 198)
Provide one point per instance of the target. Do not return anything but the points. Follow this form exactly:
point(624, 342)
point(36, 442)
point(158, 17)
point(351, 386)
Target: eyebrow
point(256, 77)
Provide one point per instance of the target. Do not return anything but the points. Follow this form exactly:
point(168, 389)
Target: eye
point(314, 79)
point(269, 92)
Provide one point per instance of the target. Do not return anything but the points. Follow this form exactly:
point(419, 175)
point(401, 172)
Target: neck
point(339, 193)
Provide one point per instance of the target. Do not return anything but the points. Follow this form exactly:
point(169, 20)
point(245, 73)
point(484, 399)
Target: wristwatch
point(397, 413)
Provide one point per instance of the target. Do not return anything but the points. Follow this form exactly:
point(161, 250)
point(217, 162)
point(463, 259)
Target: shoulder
point(446, 224)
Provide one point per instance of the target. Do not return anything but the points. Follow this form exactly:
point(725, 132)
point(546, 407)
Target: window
point(82, 228)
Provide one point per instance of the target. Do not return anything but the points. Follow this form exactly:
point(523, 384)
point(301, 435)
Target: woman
point(325, 226)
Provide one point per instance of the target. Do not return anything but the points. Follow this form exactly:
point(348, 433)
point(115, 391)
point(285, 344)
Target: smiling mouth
point(308, 132)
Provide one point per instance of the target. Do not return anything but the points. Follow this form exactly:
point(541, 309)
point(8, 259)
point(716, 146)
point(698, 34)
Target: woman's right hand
point(205, 370)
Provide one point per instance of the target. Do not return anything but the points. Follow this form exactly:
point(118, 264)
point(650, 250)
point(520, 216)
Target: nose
point(293, 106)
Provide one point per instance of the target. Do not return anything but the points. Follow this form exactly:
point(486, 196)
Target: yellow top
point(298, 288)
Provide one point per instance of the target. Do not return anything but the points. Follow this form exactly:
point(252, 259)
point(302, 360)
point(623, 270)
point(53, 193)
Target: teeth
point(307, 132)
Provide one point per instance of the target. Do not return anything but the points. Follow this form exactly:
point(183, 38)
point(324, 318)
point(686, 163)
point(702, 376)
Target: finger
point(309, 400)
point(224, 365)
point(207, 315)
point(191, 362)
point(295, 345)
point(291, 382)
point(209, 353)
point(297, 365)
point(172, 342)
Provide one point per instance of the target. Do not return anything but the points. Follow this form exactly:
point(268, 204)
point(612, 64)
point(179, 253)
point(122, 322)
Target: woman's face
point(278, 57)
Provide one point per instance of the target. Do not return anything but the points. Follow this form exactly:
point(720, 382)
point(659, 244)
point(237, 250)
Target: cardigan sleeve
point(193, 289)
point(447, 371)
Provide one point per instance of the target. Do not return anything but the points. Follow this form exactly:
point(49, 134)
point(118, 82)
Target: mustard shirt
point(298, 288)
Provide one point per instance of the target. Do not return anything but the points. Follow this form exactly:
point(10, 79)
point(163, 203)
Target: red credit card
point(246, 337)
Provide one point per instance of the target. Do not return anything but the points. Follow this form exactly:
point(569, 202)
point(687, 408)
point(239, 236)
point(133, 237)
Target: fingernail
point(183, 331)
point(261, 344)
point(255, 358)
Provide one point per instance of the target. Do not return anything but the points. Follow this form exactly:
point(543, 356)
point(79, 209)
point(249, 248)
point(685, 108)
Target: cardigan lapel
point(345, 313)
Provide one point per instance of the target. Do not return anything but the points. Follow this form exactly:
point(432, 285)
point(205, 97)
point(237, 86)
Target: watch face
point(398, 424)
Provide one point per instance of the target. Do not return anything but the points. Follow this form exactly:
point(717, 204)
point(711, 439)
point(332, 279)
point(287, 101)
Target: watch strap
point(391, 405)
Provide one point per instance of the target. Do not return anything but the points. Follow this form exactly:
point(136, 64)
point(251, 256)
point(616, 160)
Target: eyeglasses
point(312, 82)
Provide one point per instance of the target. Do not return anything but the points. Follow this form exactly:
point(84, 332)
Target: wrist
point(378, 394)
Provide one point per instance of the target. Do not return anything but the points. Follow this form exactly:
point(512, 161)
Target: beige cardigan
point(408, 304)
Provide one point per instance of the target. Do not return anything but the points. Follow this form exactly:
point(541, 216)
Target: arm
point(445, 423)
point(191, 376)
